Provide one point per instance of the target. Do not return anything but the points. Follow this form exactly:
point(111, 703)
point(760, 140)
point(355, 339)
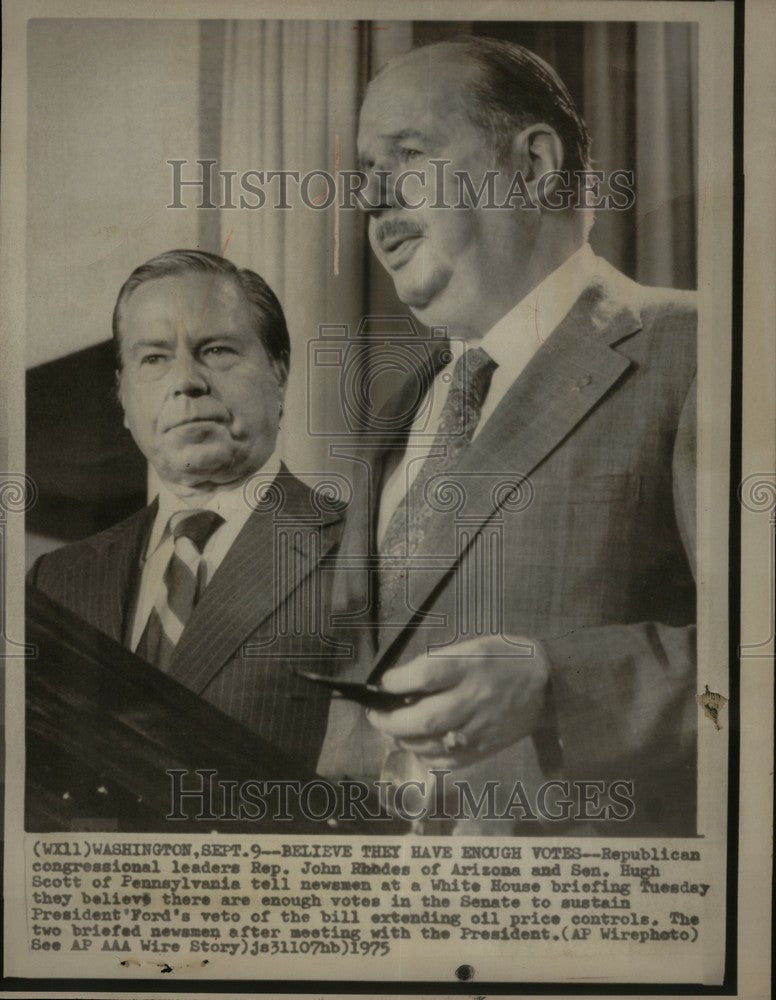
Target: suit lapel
point(274, 551)
point(569, 374)
point(101, 587)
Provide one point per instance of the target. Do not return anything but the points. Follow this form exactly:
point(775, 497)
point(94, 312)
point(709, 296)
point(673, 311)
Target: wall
point(109, 103)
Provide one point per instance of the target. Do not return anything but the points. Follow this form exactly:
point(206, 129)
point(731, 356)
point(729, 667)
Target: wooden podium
point(104, 728)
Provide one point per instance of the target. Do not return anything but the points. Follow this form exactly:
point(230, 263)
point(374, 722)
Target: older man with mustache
point(555, 641)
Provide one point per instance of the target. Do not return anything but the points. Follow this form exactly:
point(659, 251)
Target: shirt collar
point(230, 504)
point(542, 309)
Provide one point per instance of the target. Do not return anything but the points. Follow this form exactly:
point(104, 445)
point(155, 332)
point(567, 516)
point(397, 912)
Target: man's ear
point(537, 150)
point(120, 396)
point(281, 373)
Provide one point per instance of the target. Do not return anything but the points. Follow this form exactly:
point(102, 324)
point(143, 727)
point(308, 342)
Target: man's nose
point(189, 377)
point(380, 189)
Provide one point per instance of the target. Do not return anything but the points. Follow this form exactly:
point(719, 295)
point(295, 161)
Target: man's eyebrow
point(146, 342)
point(397, 137)
point(208, 338)
point(405, 133)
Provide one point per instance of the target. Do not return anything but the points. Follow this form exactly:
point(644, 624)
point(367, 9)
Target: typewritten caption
point(222, 898)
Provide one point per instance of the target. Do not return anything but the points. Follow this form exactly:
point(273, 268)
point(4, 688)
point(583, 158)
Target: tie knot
point(473, 372)
point(196, 525)
point(468, 389)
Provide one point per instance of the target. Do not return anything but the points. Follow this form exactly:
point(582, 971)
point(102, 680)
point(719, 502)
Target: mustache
point(390, 229)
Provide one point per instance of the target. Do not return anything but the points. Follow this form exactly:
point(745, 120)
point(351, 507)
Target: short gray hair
point(512, 89)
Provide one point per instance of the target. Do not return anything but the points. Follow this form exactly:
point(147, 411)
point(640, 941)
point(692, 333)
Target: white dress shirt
point(511, 343)
point(234, 509)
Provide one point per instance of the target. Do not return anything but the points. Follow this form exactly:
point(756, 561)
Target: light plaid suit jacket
point(595, 552)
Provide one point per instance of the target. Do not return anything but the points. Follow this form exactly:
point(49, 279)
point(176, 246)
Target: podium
point(112, 742)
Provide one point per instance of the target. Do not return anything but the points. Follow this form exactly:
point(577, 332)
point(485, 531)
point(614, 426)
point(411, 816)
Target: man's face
point(452, 266)
point(200, 395)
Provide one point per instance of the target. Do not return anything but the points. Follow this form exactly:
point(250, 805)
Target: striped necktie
point(184, 580)
point(458, 420)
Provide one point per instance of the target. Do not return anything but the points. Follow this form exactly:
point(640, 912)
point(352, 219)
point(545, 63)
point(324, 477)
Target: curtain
point(290, 98)
point(290, 102)
point(666, 153)
point(641, 105)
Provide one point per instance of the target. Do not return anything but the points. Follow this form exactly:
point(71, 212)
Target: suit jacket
point(254, 623)
point(570, 522)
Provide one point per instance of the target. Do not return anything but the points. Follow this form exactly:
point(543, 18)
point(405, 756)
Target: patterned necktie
point(408, 524)
point(184, 581)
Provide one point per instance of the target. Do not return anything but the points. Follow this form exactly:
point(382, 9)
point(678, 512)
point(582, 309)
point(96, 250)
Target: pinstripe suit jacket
point(592, 556)
point(252, 624)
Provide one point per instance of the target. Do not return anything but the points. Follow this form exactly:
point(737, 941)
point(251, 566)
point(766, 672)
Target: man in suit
point(532, 522)
point(210, 581)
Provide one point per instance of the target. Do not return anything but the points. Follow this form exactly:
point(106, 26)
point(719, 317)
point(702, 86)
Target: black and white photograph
point(377, 408)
